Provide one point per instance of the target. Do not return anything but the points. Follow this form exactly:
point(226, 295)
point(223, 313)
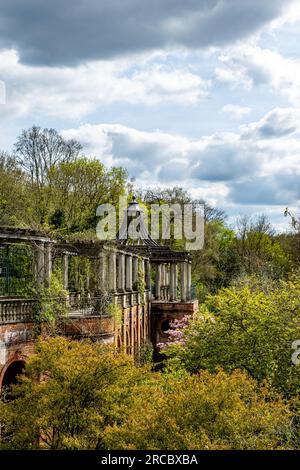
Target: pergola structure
point(166, 261)
point(149, 283)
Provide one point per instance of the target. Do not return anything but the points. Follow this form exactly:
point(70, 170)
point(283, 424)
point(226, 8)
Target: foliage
point(115, 311)
point(202, 412)
point(16, 263)
point(78, 188)
point(145, 353)
point(83, 395)
point(51, 304)
point(141, 284)
point(246, 328)
point(84, 388)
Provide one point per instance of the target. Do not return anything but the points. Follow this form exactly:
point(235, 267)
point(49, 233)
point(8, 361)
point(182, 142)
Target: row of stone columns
point(167, 278)
point(123, 271)
point(117, 271)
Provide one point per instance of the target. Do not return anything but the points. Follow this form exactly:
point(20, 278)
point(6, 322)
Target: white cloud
point(277, 123)
point(249, 66)
point(63, 91)
point(245, 167)
point(236, 111)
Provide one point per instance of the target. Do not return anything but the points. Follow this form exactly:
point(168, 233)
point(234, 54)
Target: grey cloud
point(225, 162)
point(69, 32)
point(279, 122)
point(279, 189)
point(237, 164)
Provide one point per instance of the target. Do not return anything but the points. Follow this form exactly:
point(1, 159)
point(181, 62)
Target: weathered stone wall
point(162, 314)
point(17, 340)
point(16, 343)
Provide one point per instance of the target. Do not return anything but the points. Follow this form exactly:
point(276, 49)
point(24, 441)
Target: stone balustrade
point(22, 310)
point(16, 310)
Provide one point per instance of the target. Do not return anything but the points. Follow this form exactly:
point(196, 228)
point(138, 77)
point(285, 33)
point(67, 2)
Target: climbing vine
point(51, 304)
point(115, 311)
point(140, 284)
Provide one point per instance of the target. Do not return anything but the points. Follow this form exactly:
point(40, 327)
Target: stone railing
point(16, 310)
point(87, 306)
point(128, 299)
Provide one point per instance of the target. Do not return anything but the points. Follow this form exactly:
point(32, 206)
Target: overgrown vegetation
point(93, 398)
point(228, 380)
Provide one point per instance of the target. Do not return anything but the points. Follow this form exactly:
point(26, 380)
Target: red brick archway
point(12, 369)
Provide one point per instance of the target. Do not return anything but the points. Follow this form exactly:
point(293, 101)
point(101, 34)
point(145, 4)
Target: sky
point(202, 94)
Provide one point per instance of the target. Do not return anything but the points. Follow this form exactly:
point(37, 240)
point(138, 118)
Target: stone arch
point(128, 342)
point(119, 342)
point(13, 368)
point(165, 326)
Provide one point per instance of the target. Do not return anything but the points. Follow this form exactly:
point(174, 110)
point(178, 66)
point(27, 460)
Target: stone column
point(183, 281)
point(148, 274)
point(176, 281)
point(103, 271)
point(128, 283)
point(162, 273)
point(167, 281)
point(158, 282)
point(121, 272)
point(173, 282)
point(135, 270)
point(189, 281)
point(65, 271)
point(142, 272)
point(112, 272)
point(48, 263)
point(40, 264)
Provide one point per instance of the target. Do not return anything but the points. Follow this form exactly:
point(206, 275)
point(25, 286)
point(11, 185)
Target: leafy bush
point(202, 412)
point(83, 395)
point(245, 328)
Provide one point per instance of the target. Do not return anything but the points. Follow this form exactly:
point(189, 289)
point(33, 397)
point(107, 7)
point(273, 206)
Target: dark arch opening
point(10, 376)
point(165, 326)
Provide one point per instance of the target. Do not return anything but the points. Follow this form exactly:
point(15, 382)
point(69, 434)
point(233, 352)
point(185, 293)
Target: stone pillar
point(167, 281)
point(121, 272)
point(148, 274)
point(135, 270)
point(112, 272)
point(48, 263)
point(162, 274)
point(103, 271)
point(189, 281)
point(183, 281)
point(128, 283)
point(142, 273)
point(176, 281)
point(158, 282)
point(40, 264)
point(173, 282)
point(65, 271)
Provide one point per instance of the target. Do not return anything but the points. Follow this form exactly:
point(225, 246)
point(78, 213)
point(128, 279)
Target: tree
point(14, 193)
point(245, 328)
point(37, 151)
point(71, 394)
point(83, 395)
point(205, 411)
point(78, 188)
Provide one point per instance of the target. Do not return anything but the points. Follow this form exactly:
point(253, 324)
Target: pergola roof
point(21, 235)
point(145, 244)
